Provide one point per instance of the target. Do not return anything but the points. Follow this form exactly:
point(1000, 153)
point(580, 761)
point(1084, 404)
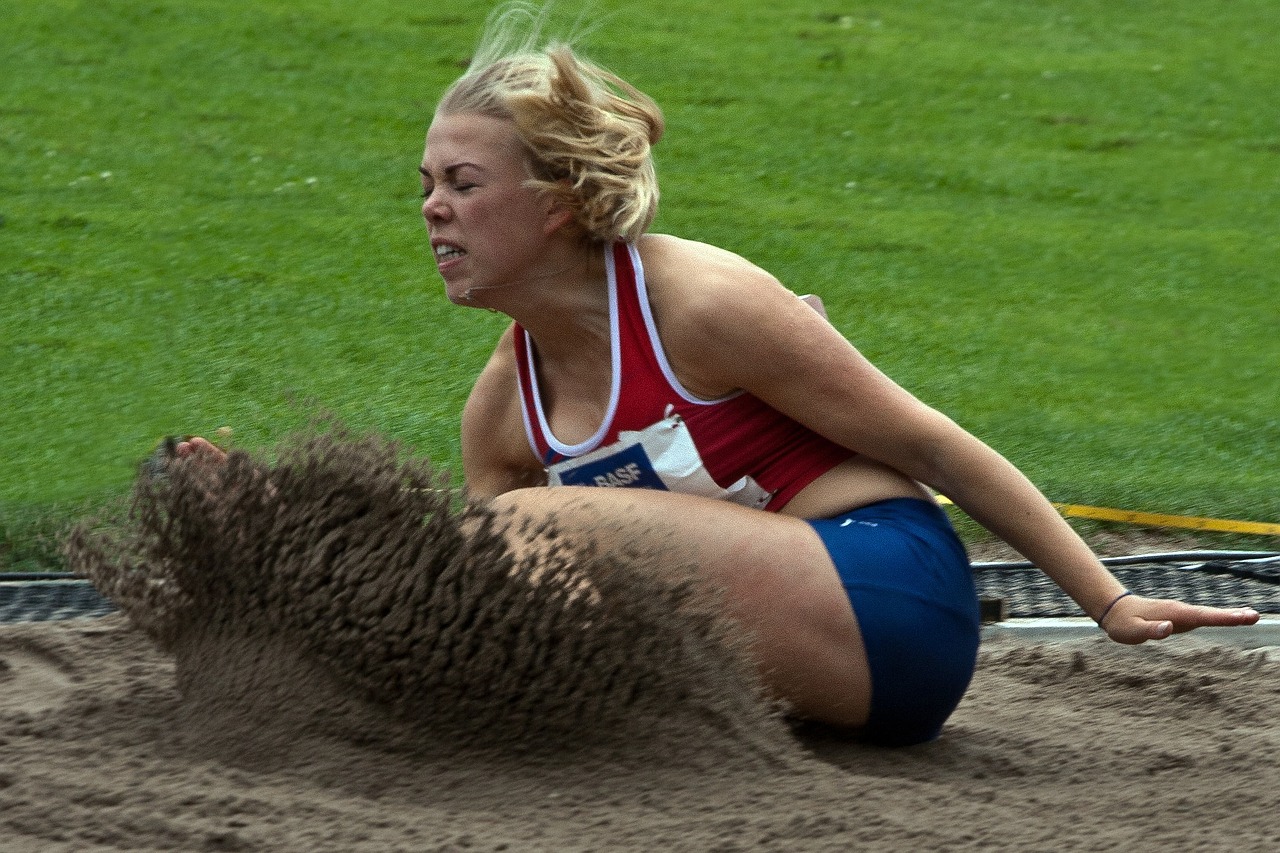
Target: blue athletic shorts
point(908, 579)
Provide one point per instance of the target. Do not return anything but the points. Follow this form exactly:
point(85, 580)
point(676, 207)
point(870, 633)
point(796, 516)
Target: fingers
point(1142, 619)
point(1133, 630)
point(197, 446)
point(1205, 617)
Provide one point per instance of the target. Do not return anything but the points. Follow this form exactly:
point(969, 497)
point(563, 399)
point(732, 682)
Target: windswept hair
point(588, 132)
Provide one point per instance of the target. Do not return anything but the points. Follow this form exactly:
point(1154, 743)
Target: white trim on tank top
point(655, 343)
point(615, 390)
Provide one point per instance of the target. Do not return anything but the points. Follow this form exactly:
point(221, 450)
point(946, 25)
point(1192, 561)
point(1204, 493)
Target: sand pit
point(1082, 745)
point(281, 680)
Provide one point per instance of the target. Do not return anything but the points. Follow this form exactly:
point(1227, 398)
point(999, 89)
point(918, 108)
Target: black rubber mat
point(1026, 592)
point(46, 600)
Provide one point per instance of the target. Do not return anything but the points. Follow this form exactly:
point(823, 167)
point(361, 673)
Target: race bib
point(662, 456)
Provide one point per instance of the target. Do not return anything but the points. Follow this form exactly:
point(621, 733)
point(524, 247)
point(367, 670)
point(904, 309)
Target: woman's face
point(487, 229)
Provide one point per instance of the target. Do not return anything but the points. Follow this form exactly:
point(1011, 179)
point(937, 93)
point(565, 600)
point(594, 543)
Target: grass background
point(1054, 221)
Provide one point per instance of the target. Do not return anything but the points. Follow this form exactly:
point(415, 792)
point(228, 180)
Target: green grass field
point(1055, 222)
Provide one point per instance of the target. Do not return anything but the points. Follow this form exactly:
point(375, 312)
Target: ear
point(559, 214)
point(557, 218)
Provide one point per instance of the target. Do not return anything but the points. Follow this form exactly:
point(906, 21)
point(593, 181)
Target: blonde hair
point(588, 132)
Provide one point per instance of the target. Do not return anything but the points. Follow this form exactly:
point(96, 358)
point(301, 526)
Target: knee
point(532, 501)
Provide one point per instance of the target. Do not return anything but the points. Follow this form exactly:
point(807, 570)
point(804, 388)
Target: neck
point(564, 308)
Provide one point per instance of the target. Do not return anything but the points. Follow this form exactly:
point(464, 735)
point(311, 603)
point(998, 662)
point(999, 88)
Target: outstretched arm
point(740, 328)
point(994, 493)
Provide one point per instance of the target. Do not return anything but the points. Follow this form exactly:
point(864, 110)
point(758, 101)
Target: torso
point(575, 405)
point(854, 483)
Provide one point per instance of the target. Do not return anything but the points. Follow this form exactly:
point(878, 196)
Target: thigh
point(779, 582)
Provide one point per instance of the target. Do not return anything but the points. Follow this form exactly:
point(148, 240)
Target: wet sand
point(308, 666)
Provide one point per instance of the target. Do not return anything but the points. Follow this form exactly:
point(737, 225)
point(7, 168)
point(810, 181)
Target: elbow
point(940, 455)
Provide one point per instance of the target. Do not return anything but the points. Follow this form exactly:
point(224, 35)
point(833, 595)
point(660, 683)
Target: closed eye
point(459, 188)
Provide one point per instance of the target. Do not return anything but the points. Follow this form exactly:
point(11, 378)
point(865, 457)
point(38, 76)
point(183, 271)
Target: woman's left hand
point(200, 448)
point(1135, 620)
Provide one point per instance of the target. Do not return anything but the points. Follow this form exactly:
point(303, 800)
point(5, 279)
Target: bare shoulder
point(708, 302)
point(674, 265)
point(696, 287)
point(496, 386)
point(496, 456)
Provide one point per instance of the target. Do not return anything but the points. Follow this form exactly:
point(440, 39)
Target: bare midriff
point(854, 483)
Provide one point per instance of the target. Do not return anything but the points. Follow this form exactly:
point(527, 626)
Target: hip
point(857, 482)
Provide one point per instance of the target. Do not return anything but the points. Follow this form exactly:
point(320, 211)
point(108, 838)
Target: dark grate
point(43, 601)
point(1026, 592)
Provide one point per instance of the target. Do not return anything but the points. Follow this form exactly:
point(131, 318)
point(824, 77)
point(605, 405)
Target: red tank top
point(736, 437)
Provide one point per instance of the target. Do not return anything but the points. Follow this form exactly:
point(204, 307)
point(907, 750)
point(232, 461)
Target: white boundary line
point(1041, 630)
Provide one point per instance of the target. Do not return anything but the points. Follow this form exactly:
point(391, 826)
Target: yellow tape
point(1156, 519)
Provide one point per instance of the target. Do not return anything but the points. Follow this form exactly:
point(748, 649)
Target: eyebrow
point(449, 170)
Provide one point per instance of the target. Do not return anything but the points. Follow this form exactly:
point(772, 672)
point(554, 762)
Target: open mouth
point(446, 253)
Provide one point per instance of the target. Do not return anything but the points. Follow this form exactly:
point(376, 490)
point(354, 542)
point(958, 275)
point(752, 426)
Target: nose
point(434, 208)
